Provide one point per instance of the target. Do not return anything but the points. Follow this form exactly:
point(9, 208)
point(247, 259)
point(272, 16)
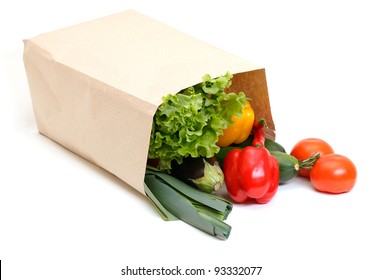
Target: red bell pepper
point(252, 172)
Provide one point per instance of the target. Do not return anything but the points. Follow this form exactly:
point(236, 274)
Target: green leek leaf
point(210, 200)
point(164, 213)
point(199, 209)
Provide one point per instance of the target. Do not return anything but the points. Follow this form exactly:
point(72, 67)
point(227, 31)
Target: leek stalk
point(175, 199)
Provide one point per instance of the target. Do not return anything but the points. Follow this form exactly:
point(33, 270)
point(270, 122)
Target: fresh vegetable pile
point(205, 138)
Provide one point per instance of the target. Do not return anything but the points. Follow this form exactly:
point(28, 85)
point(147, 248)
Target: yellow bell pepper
point(240, 130)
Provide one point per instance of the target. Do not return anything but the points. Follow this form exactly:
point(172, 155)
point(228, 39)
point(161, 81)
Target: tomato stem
point(309, 162)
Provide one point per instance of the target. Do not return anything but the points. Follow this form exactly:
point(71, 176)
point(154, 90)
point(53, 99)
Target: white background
point(63, 218)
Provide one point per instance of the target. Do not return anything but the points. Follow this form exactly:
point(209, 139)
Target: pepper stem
point(309, 162)
point(261, 123)
point(259, 134)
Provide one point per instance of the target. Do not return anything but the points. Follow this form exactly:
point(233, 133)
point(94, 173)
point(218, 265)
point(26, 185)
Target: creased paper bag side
point(103, 125)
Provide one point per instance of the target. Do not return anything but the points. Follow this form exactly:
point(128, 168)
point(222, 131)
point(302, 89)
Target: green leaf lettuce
point(189, 123)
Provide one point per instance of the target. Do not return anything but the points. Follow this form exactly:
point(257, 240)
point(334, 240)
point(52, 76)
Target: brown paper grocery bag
point(95, 86)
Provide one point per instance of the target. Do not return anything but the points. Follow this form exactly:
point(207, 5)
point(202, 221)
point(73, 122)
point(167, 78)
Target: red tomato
point(306, 148)
point(333, 173)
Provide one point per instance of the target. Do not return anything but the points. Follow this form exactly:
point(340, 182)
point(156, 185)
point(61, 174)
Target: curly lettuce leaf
point(189, 123)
